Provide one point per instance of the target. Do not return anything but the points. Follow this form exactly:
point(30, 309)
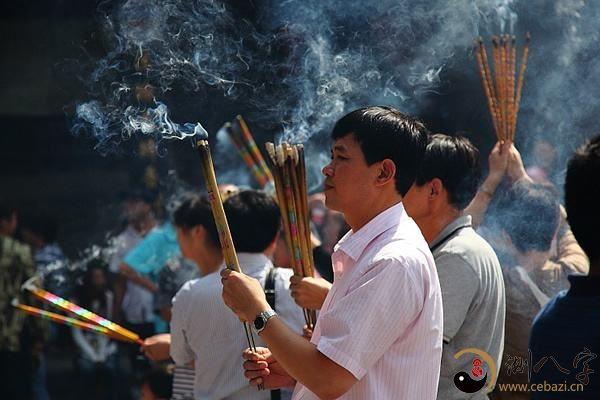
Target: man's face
point(349, 181)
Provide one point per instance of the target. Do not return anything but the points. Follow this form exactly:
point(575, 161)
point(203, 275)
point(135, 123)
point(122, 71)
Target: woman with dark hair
point(96, 362)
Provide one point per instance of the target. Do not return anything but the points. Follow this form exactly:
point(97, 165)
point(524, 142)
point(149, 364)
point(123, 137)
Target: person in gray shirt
point(470, 276)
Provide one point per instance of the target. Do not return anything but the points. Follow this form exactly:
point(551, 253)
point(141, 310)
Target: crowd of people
point(432, 281)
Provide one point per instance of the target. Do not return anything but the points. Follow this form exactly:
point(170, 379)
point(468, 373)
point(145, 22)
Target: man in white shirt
point(379, 333)
point(203, 330)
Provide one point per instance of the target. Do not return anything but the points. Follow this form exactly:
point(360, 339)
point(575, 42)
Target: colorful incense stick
point(64, 320)
point(83, 313)
point(289, 171)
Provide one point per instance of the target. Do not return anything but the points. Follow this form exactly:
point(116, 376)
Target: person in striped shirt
point(379, 332)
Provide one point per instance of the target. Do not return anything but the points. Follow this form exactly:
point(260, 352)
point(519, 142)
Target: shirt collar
point(251, 263)
point(463, 221)
point(354, 243)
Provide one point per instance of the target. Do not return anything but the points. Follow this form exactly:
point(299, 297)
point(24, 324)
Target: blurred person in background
point(210, 336)
point(40, 230)
point(567, 328)
point(522, 221)
point(170, 279)
point(21, 337)
point(97, 354)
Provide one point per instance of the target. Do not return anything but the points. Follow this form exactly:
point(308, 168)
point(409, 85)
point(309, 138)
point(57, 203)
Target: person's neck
point(532, 260)
point(144, 225)
point(210, 261)
point(370, 209)
point(433, 224)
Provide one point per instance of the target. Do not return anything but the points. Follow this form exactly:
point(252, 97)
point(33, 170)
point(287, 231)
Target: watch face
point(259, 323)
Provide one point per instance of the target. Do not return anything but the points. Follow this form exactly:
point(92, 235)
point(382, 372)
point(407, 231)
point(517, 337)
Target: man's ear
point(386, 172)
point(198, 233)
point(435, 188)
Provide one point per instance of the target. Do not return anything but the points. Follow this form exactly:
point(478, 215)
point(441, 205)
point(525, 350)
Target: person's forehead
point(347, 143)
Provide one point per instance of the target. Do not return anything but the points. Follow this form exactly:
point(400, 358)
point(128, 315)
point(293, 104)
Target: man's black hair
point(160, 381)
point(529, 213)
point(254, 220)
point(582, 197)
point(386, 133)
point(455, 161)
point(195, 210)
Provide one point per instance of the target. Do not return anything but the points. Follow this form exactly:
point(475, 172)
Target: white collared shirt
point(382, 319)
point(206, 331)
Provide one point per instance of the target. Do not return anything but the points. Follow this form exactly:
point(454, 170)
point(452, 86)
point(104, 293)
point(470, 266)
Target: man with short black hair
point(567, 327)
point(379, 332)
point(203, 330)
point(468, 269)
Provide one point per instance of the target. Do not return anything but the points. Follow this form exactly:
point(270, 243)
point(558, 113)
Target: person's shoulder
point(187, 290)
point(467, 241)
point(548, 312)
point(471, 248)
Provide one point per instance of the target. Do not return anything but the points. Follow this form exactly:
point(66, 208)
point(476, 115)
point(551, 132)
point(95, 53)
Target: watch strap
point(265, 316)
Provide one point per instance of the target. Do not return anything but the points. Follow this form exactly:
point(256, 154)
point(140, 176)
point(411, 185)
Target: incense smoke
point(294, 67)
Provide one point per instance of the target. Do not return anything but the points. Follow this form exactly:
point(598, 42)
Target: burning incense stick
point(228, 249)
point(83, 313)
point(503, 98)
point(289, 172)
point(61, 319)
point(244, 142)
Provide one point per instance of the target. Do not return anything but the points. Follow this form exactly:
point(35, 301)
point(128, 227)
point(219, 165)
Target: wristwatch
point(260, 322)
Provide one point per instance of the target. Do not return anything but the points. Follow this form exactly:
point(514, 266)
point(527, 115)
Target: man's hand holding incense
point(498, 163)
point(309, 292)
point(262, 367)
point(243, 294)
point(157, 347)
point(516, 168)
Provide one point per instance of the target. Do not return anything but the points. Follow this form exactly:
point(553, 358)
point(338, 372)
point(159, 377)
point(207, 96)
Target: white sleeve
point(83, 344)
point(180, 350)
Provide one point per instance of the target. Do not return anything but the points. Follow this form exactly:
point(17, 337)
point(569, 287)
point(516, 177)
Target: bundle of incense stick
point(115, 330)
point(289, 172)
point(244, 142)
point(502, 91)
point(61, 319)
point(214, 196)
